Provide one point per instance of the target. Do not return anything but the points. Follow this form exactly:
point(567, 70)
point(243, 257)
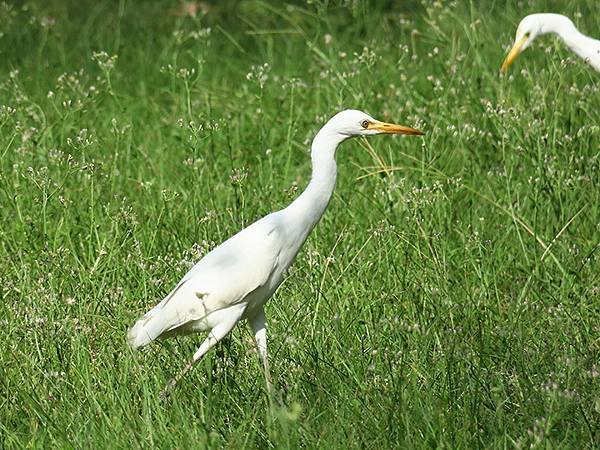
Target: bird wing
point(224, 277)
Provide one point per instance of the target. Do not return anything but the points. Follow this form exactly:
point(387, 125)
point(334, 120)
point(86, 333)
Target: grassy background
point(448, 298)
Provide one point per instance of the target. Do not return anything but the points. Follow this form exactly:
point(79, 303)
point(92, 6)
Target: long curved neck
point(582, 45)
point(308, 208)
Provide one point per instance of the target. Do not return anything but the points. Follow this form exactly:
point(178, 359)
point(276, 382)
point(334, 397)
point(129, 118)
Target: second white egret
point(535, 24)
point(234, 280)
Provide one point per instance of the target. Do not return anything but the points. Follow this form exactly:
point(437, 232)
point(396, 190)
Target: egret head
point(529, 28)
point(351, 122)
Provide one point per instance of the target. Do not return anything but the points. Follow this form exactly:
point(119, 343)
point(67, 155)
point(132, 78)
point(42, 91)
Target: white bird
point(535, 24)
point(234, 280)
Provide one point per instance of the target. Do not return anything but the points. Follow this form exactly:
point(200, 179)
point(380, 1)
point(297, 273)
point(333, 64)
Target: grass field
point(449, 298)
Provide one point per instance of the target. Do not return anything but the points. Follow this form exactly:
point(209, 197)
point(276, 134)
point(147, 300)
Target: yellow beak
point(391, 128)
point(514, 52)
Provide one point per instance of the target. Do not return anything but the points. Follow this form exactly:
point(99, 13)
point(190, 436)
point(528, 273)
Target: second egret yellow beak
point(391, 128)
point(514, 52)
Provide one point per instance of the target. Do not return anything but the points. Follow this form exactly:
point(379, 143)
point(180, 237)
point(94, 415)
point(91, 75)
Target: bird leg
point(259, 326)
point(215, 335)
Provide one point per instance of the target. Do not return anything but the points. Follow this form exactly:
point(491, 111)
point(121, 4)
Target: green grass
point(450, 297)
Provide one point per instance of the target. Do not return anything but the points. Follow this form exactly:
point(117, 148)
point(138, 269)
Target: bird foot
point(274, 396)
point(164, 394)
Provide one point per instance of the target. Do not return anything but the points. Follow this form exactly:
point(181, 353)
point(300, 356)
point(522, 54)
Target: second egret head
point(531, 27)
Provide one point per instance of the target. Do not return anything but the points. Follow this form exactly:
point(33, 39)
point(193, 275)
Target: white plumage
point(235, 279)
point(239, 268)
point(535, 24)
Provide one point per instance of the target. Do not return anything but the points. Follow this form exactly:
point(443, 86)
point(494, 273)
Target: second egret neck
point(585, 47)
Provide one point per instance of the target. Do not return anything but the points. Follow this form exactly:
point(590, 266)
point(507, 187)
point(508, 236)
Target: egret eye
point(365, 124)
point(528, 34)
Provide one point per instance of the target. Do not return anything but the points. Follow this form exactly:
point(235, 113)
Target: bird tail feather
point(148, 328)
point(154, 323)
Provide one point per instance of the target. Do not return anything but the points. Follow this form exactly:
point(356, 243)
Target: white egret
point(535, 24)
point(234, 280)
